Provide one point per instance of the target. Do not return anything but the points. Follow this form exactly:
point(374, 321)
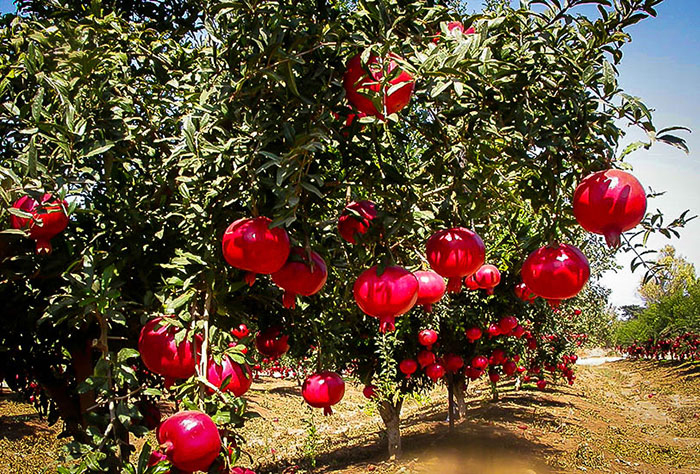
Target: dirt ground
point(622, 416)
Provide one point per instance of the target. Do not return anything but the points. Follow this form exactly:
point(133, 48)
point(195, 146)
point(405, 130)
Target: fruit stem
point(454, 284)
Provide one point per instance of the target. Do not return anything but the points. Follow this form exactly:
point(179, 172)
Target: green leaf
point(126, 354)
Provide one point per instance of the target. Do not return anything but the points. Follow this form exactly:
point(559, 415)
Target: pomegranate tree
point(386, 296)
point(609, 203)
point(48, 219)
point(250, 244)
point(556, 272)
point(190, 440)
point(455, 254)
point(323, 390)
point(431, 288)
point(304, 274)
point(365, 88)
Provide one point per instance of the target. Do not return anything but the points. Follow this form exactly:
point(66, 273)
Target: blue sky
point(662, 66)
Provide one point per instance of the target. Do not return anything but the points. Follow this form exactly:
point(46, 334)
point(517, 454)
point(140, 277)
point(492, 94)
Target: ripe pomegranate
point(323, 390)
point(359, 85)
point(471, 284)
point(431, 288)
point(473, 334)
point(487, 277)
point(509, 368)
point(369, 391)
point(240, 332)
point(425, 358)
point(494, 330)
point(271, 342)
point(49, 219)
point(577, 312)
point(507, 323)
point(480, 362)
point(556, 273)
point(408, 367)
point(524, 293)
point(435, 372)
point(518, 331)
point(301, 275)
point(250, 244)
point(241, 470)
point(452, 362)
point(494, 376)
point(455, 253)
point(190, 440)
point(356, 219)
point(386, 296)
point(473, 373)
point(498, 356)
point(427, 337)
point(240, 376)
point(609, 203)
point(541, 384)
point(160, 353)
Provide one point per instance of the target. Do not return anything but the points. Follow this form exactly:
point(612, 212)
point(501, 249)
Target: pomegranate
point(240, 332)
point(250, 244)
point(160, 353)
point(362, 87)
point(541, 384)
point(577, 312)
point(435, 372)
point(498, 356)
point(241, 470)
point(487, 277)
point(452, 362)
point(323, 390)
point(494, 376)
point(240, 376)
point(369, 391)
point(386, 296)
point(455, 253)
point(518, 331)
point(473, 373)
point(556, 273)
point(473, 334)
point(425, 358)
point(509, 368)
point(480, 362)
point(190, 440)
point(471, 284)
point(356, 219)
point(427, 337)
point(494, 330)
point(48, 219)
point(524, 293)
point(507, 323)
point(271, 342)
point(609, 203)
point(431, 288)
point(408, 367)
point(304, 274)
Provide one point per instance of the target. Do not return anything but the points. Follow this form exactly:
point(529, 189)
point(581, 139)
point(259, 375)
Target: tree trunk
point(494, 392)
point(460, 388)
point(81, 355)
point(391, 415)
point(451, 401)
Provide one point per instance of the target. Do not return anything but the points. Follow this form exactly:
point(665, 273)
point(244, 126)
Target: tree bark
point(451, 409)
point(391, 415)
point(461, 384)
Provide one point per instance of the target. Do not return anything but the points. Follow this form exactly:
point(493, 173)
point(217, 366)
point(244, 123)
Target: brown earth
point(624, 416)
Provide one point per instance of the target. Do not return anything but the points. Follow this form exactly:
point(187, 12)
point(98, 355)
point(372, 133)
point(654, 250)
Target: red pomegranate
point(435, 371)
point(386, 296)
point(271, 342)
point(507, 323)
point(190, 440)
point(494, 330)
point(455, 253)
point(362, 85)
point(524, 293)
point(609, 203)
point(471, 284)
point(473, 334)
point(241, 470)
point(240, 332)
point(556, 273)
point(431, 288)
point(480, 362)
point(498, 356)
point(49, 219)
point(427, 337)
point(487, 277)
point(408, 367)
point(541, 384)
point(301, 275)
point(509, 368)
point(323, 390)
point(240, 376)
point(250, 244)
point(494, 376)
point(577, 312)
point(425, 358)
point(356, 219)
point(369, 391)
point(518, 331)
point(456, 28)
point(452, 362)
point(160, 353)
point(473, 373)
